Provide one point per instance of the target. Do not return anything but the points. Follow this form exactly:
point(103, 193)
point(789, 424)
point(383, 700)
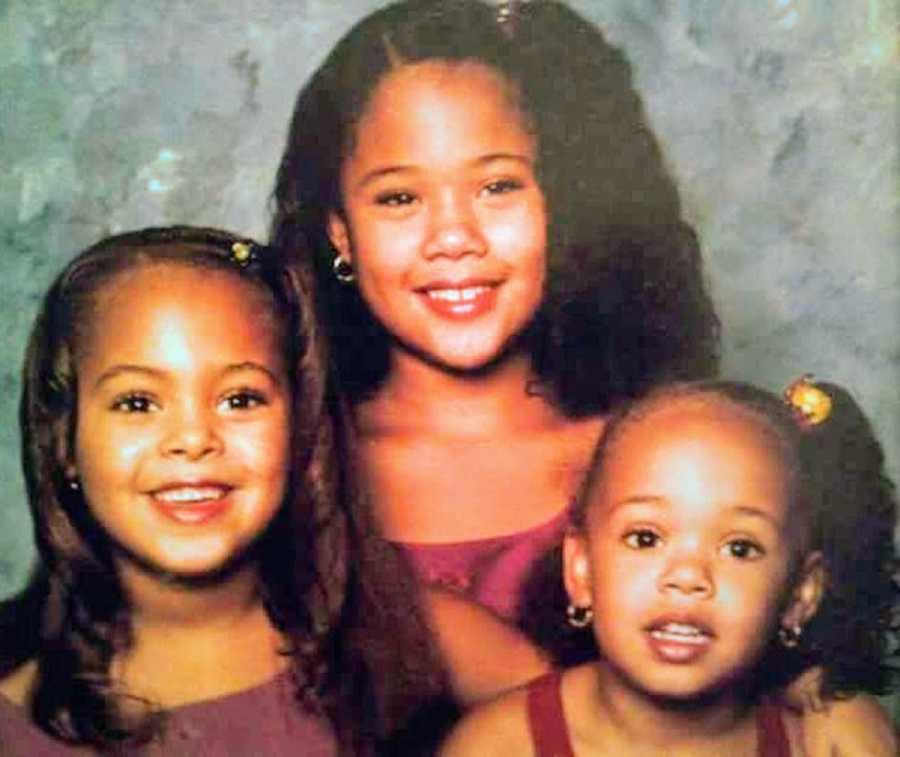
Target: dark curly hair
point(844, 506)
point(625, 302)
point(73, 617)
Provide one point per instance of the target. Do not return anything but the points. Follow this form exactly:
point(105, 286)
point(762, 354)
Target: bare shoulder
point(17, 685)
point(854, 726)
point(498, 728)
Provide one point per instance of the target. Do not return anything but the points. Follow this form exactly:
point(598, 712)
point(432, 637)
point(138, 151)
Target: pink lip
point(459, 300)
point(679, 640)
point(191, 503)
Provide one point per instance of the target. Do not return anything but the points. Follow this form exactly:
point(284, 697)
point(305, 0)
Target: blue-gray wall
point(779, 118)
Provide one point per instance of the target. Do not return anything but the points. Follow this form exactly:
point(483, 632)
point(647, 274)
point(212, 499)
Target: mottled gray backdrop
point(778, 117)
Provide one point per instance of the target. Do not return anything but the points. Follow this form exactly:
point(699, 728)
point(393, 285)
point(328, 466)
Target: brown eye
point(744, 549)
point(134, 403)
point(244, 399)
point(502, 186)
point(642, 538)
point(395, 199)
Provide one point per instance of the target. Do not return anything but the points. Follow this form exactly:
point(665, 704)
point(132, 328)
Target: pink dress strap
point(550, 734)
point(771, 736)
point(546, 719)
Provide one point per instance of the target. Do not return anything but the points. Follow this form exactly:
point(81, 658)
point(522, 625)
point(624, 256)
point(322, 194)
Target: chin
point(687, 694)
point(470, 357)
point(189, 570)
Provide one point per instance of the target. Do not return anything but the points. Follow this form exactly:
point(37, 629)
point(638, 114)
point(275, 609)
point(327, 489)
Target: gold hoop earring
point(343, 270)
point(579, 616)
point(789, 636)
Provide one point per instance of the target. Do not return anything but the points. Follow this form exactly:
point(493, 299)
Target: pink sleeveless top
point(550, 734)
point(492, 572)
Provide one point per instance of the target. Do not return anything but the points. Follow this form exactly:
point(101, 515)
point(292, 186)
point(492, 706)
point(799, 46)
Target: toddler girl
point(724, 541)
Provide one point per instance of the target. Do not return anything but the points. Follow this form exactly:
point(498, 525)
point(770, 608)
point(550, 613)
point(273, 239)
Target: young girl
point(724, 541)
point(501, 254)
point(179, 458)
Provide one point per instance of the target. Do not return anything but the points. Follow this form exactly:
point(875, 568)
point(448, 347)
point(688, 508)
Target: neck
point(196, 640)
point(666, 723)
point(158, 600)
point(479, 401)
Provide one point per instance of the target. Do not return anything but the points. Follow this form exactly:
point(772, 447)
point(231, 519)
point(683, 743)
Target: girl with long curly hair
point(501, 255)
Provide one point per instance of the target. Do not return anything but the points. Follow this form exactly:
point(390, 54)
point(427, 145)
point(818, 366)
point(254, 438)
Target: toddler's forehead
point(706, 425)
point(668, 411)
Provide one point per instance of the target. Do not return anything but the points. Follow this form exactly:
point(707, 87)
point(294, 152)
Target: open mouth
point(468, 294)
point(679, 642)
point(680, 632)
point(459, 301)
point(191, 504)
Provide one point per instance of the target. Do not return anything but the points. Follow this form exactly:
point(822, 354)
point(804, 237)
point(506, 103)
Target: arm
point(484, 655)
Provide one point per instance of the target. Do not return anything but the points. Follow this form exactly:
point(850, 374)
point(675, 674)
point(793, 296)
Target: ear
point(339, 235)
point(808, 592)
point(577, 569)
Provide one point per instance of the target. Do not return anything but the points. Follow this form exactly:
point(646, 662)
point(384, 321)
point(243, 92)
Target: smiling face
point(443, 218)
point(688, 551)
point(181, 441)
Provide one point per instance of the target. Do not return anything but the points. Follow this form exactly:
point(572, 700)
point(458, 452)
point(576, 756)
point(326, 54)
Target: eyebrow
point(754, 512)
point(655, 501)
point(378, 173)
point(117, 370)
point(641, 499)
point(249, 365)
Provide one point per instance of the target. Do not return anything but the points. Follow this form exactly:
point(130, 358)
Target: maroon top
point(263, 720)
point(550, 734)
point(546, 719)
point(491, 572)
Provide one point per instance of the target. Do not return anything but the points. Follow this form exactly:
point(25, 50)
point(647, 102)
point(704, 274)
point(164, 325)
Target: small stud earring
point(74, 485)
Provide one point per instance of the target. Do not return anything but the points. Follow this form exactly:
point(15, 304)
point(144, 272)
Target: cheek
point(622, 584)
point(384, 248)
point(752, 598)
point(523, 235)
point(265, 451)
point(105, 455)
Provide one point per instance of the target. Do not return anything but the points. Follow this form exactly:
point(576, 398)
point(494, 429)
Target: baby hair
point(73, 617)
point(843, 505)
point(625, 302)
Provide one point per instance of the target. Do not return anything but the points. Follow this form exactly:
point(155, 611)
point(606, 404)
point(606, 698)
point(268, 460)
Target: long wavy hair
point(843, 505)
point(625, 303)
point(73, 617)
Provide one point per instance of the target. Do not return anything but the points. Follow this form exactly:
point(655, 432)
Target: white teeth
point(457, 295)
point(680, 632)
point(190, 494)
point(683, 628)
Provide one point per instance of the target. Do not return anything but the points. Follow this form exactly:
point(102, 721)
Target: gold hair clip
point(508, 13)
point(242, 253)
point(811, 405)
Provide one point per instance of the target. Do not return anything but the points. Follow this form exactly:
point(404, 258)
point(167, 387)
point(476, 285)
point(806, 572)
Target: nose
point(687, 574)
point(454, 230)
point(191, 434)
